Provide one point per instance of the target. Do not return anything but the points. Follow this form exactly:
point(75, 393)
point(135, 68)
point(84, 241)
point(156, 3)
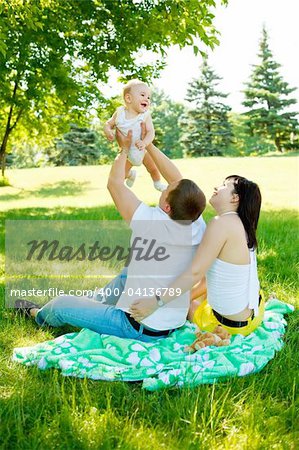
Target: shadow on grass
point(64, 213)
point(59, 189)
point(289, 154)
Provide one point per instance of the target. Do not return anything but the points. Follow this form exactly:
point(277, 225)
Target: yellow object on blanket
point(206, 320)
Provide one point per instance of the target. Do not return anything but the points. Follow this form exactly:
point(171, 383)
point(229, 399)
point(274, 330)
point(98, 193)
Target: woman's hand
point(142, 308)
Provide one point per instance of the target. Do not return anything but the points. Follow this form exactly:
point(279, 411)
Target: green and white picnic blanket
point(161, 364)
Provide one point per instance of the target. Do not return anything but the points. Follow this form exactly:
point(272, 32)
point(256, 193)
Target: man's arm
point(150, 131)
point(108, 128)
point(165, 166)
point(124, 199)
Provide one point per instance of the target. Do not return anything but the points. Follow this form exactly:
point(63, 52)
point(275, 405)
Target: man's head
point(183, 200)
point(136, 96)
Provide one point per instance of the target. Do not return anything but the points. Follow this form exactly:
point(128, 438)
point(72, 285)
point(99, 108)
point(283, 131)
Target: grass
point(43, 410)
point(62, 187)
point(4, 181)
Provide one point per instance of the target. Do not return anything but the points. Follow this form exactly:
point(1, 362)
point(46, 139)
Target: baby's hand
point(140, 145)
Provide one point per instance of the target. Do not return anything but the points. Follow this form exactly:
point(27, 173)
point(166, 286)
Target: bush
point(4, 181)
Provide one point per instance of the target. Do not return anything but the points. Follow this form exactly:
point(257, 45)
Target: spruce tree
point(268, 95)
point(77, 147)
point(206, 124)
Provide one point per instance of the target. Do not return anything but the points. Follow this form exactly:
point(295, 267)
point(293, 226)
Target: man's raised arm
point(165, 166)
point(124, 199)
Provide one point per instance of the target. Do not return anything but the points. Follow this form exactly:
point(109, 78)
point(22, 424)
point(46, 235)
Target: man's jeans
point(94, 314)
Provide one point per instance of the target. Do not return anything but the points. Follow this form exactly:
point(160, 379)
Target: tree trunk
point(8, 130)
point(3, 148)
point(278, 144)
point(208, 127)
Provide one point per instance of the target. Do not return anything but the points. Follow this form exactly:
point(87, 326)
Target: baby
point(136, 96)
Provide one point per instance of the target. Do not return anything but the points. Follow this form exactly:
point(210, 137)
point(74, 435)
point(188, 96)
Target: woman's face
point(223, 194)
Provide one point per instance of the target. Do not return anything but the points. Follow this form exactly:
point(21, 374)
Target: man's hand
point(143, 130)
point(140, 309)
point(140, 145)
point(109, 133)
point(123, 141)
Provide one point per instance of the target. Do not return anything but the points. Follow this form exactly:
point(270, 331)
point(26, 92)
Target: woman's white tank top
point(233, 287)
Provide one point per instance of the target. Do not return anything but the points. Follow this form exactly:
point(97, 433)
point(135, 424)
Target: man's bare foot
point(33, 312)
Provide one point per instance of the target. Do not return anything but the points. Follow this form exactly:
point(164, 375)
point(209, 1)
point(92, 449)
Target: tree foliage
point(244, 142)
point(78, 147)
point(54, 52)
point(268, 97)
point(166, 115)
point(26, 155)
point(206, 125)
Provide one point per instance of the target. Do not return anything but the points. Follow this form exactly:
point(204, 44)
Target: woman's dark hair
point(250, 200)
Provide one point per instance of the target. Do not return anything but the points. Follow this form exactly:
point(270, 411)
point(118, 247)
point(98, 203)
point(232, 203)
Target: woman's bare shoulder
point(225, 224)
point(217, 225)
point(219, 221)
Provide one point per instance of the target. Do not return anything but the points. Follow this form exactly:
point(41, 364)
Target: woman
point(226, 256)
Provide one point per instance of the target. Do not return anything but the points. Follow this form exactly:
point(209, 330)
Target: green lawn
point(86, 186)
point(43, 410)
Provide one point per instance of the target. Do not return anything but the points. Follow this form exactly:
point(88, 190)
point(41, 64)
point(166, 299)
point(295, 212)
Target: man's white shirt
point(173, 244)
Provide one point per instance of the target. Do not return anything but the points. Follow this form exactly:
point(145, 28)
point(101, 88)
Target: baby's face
point(139, 98)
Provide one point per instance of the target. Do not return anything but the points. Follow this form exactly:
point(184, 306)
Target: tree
point(166, 118)
point(40, 86)
point(268, 96)
point(78, 147)
point(244, 143)
point(26, 155)
point(207, 128)
point(54, 52)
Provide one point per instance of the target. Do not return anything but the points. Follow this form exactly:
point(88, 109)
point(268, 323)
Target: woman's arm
point(213, 241)
point(199, 289)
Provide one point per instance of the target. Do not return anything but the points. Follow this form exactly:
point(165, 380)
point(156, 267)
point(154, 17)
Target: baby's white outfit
point(135, 156)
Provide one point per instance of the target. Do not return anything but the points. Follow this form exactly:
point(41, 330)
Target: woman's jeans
point(94, 314)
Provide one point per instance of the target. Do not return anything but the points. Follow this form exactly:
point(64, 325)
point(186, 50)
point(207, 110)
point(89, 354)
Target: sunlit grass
point(86, 186)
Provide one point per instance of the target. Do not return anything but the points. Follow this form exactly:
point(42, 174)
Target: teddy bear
point(218, 337)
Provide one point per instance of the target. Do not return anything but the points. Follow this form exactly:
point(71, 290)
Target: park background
point(57, 164)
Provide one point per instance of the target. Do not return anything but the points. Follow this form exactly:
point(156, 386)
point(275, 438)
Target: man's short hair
point(187, 201)
point(130, 84)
